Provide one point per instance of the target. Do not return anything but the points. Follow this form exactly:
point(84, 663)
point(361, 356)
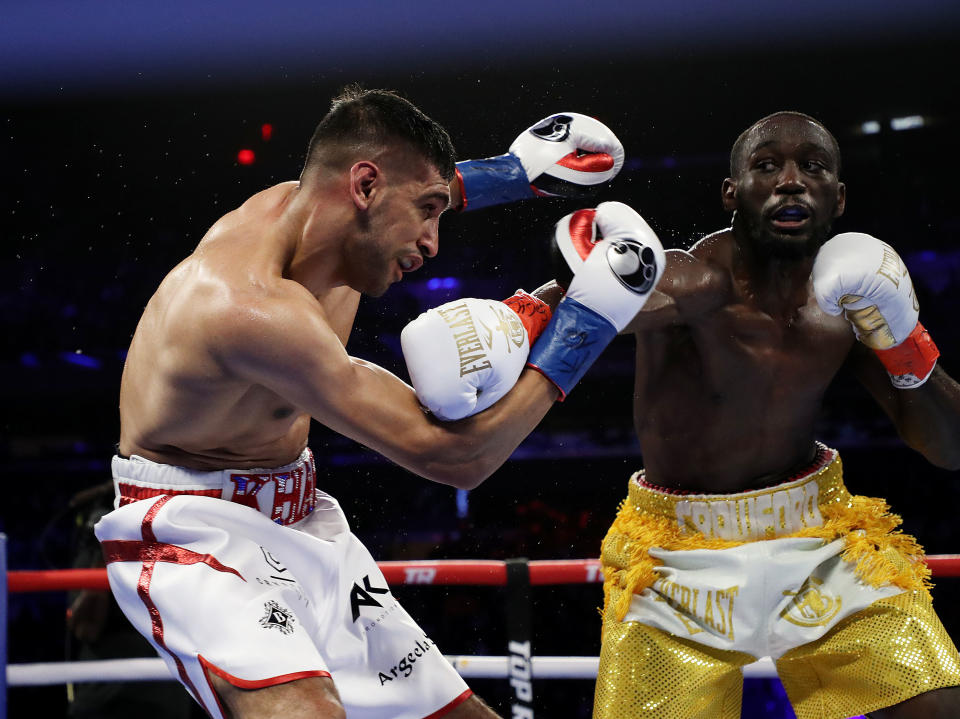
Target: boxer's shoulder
point(699, 279)
point(716, 249)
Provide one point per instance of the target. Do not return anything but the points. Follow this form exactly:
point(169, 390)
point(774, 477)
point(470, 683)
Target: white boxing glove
point(864, 279)
point(565, 152)
point(563, 155)
point(610, 286)
point(465, 355)
point(633, 255)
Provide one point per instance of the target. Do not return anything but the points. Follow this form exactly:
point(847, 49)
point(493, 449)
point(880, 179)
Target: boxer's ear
point(365, 178)
point(728, 194)
point(841, 199)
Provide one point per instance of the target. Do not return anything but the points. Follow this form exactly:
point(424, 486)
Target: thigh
point(646, 672)
point(892, 651)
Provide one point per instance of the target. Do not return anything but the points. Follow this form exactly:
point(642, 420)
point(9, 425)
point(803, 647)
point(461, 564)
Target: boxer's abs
point(725, 415)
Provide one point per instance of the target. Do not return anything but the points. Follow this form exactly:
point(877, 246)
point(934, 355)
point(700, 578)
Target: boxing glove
point(465, 355)
point(563, 155)
point(574, 237)
point(865, 280)
point(610, 286)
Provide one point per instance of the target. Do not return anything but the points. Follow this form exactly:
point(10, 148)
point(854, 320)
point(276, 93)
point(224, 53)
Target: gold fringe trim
point(881, 553)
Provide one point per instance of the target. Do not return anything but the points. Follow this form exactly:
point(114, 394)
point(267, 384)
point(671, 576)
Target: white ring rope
point(154, 669)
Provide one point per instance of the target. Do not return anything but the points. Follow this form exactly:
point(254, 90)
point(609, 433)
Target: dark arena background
point(126, 129)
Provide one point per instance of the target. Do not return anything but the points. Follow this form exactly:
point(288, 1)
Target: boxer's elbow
point(463, 471)
point(948, 459)
point(462, 478)
point(943, 453)
point(459, 462)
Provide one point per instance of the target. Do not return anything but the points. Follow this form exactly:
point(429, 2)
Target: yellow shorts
point(696, 586)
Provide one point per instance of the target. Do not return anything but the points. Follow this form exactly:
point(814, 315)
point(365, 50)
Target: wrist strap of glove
point(910, 363)
point(574, 338)
point(493, 181)
point(534, 313)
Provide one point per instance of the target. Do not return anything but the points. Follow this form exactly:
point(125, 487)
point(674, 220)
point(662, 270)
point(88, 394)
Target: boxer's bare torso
point(730, 384)
point(733, 352)
point(180, 402)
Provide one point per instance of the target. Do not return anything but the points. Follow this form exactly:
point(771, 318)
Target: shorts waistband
point(285, 494)
point(757, 514)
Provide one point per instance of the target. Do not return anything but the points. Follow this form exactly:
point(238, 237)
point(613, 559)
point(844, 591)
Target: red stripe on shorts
point(150, 551)
point(451, 706)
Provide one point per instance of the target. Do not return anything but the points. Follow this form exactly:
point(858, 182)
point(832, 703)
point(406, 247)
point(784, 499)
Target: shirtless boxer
point(738, 539)
point(266, 604)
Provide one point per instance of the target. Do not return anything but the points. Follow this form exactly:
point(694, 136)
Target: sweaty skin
point(243, 342)
point(733, 353)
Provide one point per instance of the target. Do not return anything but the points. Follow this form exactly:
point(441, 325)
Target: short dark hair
point(373, 120)
point(736, 152)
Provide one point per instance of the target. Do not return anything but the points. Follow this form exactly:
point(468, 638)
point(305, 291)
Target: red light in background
point(246, 157)
point(266, 131)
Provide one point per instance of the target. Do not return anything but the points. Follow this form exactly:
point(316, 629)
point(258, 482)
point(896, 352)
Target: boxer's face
point(786, 193)
point(403, 225)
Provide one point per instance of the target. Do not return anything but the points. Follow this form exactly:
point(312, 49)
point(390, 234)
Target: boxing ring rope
point(439, 572)
point(448, 572)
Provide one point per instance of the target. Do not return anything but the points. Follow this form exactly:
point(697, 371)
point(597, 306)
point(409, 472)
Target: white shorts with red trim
point(219, 588)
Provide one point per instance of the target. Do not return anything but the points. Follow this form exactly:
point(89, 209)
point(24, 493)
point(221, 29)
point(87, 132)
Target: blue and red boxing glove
point(563, 155)
point(609, 287)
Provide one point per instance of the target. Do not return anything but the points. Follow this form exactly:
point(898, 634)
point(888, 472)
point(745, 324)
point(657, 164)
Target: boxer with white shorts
point(222, 551)
point(283, 592)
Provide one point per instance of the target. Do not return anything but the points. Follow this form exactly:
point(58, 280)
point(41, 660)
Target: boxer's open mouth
point(790, 216)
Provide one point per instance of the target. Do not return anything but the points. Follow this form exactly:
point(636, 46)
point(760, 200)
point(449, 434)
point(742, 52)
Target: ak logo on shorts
point(810, 606)
point(277, 616)
point(363, 596)
point(553, 129)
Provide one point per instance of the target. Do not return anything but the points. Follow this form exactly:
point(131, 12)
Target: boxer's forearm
point(929, 419)
point(469, 450)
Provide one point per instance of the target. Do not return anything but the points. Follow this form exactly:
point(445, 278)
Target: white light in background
point(910, 122)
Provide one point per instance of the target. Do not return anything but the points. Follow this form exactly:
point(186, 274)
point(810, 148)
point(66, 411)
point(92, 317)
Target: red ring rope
point(441, 572)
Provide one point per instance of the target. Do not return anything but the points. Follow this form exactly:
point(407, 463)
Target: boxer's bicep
point(659, 312)
point(290, 349)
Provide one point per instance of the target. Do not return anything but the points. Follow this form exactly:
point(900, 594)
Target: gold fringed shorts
point(822, 581)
